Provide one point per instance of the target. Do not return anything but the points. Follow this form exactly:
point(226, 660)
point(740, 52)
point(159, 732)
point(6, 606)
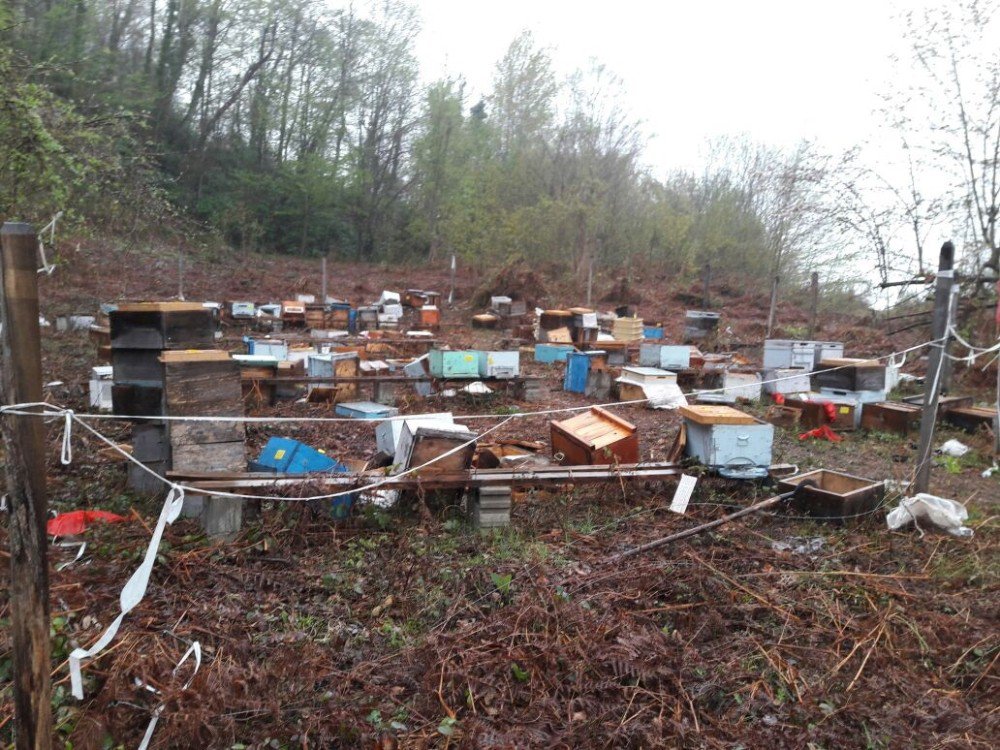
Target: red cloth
point(831, 412)
point(779, 398)
point(76, 521)
point(822, 433)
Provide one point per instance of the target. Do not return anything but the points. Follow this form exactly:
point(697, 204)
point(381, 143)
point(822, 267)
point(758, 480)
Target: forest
point(304, 127)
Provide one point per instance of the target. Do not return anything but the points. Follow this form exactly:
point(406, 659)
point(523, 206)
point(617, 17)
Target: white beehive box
point(387, 433)
point(101, 380)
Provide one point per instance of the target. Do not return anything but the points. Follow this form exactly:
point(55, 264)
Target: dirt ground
point(411, 630)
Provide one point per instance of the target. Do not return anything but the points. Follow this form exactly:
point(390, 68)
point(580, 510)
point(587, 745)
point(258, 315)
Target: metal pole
point(24, 446)
point(774, 306)
point(935, 360)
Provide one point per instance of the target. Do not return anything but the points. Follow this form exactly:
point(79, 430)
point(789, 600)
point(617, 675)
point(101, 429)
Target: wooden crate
point(786, 417)
point(891, 416)
point(814, 414)
point(202, 383)
point(836, 496)
point(971, 418)
point(596, 437)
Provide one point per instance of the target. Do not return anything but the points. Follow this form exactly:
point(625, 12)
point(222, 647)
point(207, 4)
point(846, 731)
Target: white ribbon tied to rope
point(194, 649)
point(132, 592)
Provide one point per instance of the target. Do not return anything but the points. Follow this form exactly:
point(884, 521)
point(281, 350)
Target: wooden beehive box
point(201, 383)
point(814, 413)
point(850, 374)
point(596, 437)
point(836, 496)
point(162, 325)
point(971, 418)
point(891, 416)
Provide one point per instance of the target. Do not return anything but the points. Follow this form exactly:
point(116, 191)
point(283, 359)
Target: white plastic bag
point(944, 514)
point(954, 448)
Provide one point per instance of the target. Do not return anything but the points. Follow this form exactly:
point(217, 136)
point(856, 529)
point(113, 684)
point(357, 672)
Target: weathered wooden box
point(849, 375)
point(846, 412)
point(596, 437)
point(836, 496)
point(891, 416)
point(971, 418)
point(162, 325)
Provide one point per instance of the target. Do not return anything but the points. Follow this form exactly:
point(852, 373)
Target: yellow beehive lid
point(715, 414)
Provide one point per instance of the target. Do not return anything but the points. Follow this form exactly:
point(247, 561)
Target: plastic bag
point(946, 515)
point(954, 448)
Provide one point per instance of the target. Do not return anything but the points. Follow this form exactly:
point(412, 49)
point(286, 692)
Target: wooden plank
point(195, 355)
point(715, 414)
point(537, 477)
point(165, 306)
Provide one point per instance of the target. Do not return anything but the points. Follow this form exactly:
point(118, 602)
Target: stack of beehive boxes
point(206, 384)
point(140, 332)
point(627, 329)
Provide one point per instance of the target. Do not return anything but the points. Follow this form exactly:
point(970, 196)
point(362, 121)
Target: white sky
point(778, 70)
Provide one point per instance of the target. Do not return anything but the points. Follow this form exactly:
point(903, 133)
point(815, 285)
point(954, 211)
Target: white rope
point(66, 456)
point(195, 650)
point(133, 591)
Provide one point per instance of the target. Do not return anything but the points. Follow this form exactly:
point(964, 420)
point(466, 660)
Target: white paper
point(682, 495)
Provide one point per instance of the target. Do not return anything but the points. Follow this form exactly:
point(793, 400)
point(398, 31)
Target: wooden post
point(451, 292)
point(814, 307)
point(322, 295)
point(24, 446)
point(180, 276)
point(590, 280)
point(706, 280)
point(774, 306)
point(942, 304)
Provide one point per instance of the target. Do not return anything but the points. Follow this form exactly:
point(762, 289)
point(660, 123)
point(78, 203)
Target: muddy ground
point(408, 629)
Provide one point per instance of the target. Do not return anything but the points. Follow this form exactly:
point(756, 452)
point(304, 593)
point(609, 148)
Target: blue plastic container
point(577, 370)
point(652, 332)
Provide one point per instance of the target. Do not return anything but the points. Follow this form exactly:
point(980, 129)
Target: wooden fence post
point(772, 314)
point(706, 280)
point(24, 446)
point(814, 311)
point(932, 379)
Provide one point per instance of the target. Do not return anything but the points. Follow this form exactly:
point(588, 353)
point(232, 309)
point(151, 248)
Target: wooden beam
point(23, 438)
point(935, 366)
point(535, 477)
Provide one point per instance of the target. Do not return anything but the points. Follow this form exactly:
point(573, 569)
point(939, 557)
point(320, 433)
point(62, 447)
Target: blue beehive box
point(652, 332)
point(577, 370)
point(549, 353)
point(287, 456)
point(443, 363)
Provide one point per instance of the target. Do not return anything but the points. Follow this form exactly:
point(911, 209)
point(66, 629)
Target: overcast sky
point(779, 70)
